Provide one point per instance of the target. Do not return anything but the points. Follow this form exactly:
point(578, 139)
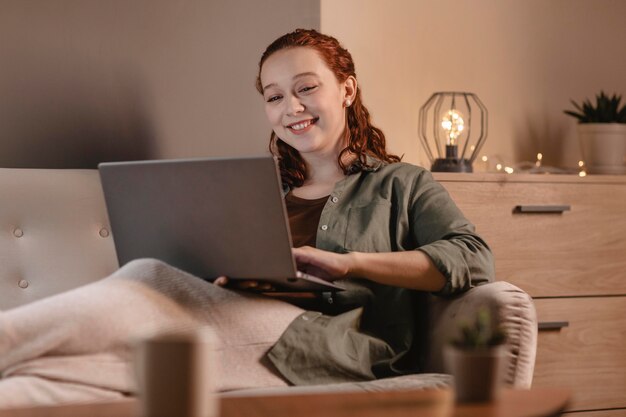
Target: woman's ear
point(350, 88)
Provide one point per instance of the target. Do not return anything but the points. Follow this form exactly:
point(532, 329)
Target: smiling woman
point(383, 227)
point(306, 76)
point(304, 101)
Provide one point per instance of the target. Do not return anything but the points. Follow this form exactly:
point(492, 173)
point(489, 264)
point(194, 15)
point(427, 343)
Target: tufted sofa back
point(54, 233)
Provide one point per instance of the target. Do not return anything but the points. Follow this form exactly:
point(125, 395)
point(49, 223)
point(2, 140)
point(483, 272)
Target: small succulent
point(606, 110)
point(481, 333)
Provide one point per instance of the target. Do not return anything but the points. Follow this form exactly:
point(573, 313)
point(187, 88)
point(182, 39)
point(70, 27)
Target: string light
point(453, 124)
point(582, 172)
point(528, 167)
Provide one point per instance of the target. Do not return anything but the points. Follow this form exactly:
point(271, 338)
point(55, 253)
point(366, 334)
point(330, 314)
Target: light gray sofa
point(54, 236)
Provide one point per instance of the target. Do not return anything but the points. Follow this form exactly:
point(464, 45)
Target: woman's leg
point(146, 296)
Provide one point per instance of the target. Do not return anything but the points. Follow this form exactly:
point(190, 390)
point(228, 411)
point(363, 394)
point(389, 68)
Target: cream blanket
point(77, 346)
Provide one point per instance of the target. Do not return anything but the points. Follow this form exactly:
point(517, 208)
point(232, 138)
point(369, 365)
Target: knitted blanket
point(78, 346)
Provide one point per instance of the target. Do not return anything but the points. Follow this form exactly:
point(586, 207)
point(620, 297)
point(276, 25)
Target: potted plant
point(602, 133)
point(476, 358)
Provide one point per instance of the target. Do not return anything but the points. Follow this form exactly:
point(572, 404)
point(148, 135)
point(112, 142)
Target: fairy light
point(536, 167)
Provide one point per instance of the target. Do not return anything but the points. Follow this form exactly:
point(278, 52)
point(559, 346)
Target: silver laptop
point(209, 217)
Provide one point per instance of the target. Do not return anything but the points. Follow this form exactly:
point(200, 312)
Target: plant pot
point(478, 373)
point(603, 147)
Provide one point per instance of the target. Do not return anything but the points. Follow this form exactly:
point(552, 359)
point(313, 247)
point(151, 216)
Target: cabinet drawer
point(589, 355)
point(580, 251)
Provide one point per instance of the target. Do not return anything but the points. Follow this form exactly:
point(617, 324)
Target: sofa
point(54, 236)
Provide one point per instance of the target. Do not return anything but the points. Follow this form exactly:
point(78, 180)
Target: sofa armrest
point(514, 311)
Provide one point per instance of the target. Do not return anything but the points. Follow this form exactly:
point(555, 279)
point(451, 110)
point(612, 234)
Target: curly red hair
point(362, 137)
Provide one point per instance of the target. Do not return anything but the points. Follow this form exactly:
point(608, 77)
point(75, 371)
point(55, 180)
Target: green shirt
point(370, 330)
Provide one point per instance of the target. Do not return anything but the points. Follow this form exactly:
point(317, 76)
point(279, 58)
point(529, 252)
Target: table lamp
point(451, 117)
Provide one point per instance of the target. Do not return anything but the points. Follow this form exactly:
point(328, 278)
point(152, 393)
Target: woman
point(357, 214)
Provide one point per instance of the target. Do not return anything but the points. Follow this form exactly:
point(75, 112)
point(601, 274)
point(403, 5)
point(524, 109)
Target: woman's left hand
point(322, 264)
point(252, 285)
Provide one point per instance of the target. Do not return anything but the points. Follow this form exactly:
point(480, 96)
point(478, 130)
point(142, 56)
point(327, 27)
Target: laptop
point(206, 216)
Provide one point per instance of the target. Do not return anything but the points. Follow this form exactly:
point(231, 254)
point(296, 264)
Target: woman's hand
point(410, 269)
point(221, 281)
point(244, 285)
point(323, 264)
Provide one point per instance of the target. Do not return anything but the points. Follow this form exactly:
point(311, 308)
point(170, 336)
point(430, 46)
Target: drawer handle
point(552, 325)
point(556, 209)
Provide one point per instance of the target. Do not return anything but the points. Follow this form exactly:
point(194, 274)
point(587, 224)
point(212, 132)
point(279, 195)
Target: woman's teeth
point(302, 125)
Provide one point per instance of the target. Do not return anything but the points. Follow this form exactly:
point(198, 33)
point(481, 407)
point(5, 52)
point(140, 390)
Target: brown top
point(304, 217)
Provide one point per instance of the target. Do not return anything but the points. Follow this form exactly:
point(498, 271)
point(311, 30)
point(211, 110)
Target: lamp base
point(451, 165)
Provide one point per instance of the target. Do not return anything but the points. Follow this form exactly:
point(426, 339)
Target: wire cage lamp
point(456, 121)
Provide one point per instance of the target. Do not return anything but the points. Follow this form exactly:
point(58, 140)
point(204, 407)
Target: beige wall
point(524, 58)
point(82, 81)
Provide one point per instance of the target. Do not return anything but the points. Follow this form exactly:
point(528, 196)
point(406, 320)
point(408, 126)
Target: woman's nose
point(294, 105)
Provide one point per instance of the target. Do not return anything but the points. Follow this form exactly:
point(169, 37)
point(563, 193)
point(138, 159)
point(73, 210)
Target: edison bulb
point(452, 122)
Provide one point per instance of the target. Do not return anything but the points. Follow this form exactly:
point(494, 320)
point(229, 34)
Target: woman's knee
point(142, 268)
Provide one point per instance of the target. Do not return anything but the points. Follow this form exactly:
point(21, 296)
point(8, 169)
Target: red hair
point(362, 137)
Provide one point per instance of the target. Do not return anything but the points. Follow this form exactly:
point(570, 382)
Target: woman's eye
point(273, 98)
point(309, 88)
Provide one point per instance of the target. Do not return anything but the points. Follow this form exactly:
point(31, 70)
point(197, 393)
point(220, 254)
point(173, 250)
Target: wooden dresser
point(562, 239)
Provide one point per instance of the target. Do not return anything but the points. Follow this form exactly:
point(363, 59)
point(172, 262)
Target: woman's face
point(304, 102)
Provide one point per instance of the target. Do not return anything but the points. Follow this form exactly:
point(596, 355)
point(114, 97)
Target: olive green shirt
point(371, 330)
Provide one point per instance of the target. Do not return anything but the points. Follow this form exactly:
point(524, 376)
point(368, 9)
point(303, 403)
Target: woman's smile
point(302, 126)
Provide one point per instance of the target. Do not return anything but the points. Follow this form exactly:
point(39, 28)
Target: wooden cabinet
point(562, 239)
point(619, 412)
